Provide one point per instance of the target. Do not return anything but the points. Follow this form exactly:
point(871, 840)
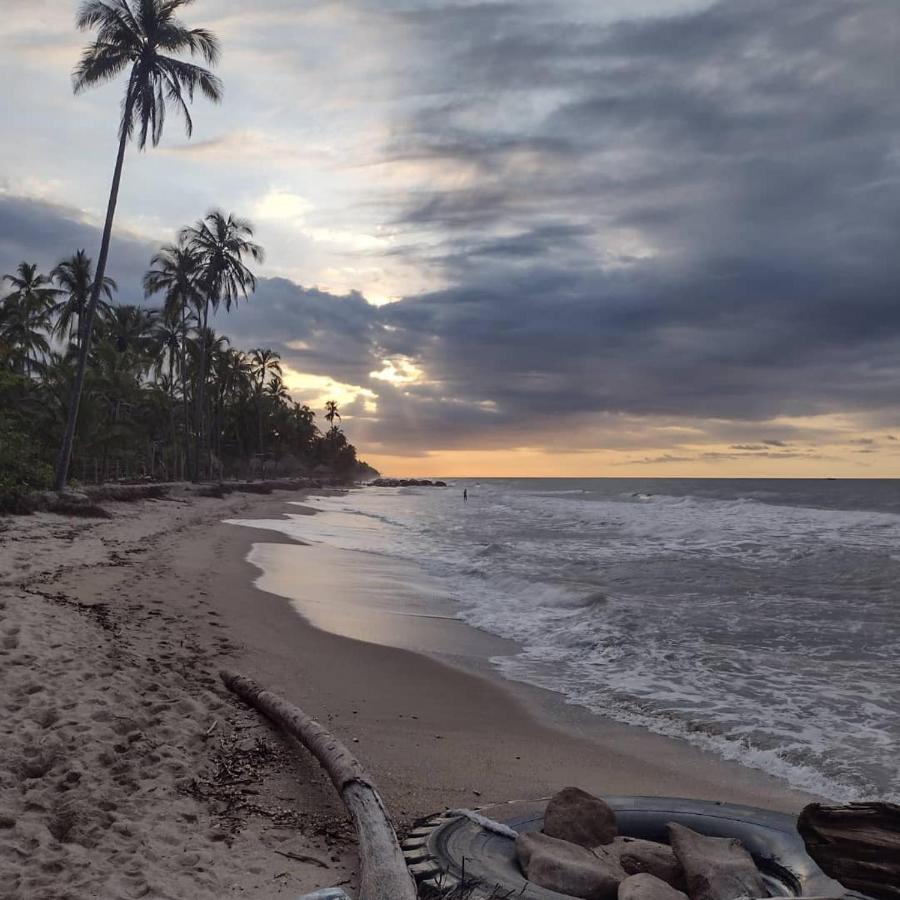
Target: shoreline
point(129, 771)
point(465, 694)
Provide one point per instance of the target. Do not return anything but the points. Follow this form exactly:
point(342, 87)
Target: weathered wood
point(858, 844)
point(383, 873)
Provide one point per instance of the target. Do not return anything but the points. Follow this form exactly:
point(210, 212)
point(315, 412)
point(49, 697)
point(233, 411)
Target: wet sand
point(434, 723)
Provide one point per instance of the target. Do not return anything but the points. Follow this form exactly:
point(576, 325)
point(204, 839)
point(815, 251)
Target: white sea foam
point(755, 625)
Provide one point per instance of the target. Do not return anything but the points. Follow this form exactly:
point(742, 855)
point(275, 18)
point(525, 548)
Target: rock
point(566, 868)
point(70, 496)
point(638, 856)
point(609, 856)
point(645, 886)
point(715, 868)
point(406, 482)
point(579, 817)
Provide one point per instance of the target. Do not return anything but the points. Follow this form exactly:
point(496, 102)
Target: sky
point(637, 237)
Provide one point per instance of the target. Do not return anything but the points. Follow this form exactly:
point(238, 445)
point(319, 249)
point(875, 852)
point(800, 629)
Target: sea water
point(757, 619)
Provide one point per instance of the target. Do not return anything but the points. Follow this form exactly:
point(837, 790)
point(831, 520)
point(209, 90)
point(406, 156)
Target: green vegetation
point(165, 396)
point(109, 390)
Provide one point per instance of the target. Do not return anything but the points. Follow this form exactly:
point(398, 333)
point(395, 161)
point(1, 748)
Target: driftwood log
point(383, 873)
point(858, 844)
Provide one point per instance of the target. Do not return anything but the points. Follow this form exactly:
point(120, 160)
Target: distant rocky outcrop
point(365, 472)
point(406, 482)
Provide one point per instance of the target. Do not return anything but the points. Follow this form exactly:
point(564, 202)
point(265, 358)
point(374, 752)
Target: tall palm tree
point(264, 364)
point(331, 412)
point(231, 381)
point(75, 277)
point(174, 270)
point(221, 242)
point(25, 316)
point(136, 35)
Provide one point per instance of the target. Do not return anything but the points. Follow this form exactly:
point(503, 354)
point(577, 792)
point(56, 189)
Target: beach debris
point(857, 844)
point(484, 822)
point(326, 894)
point(304, 858)
point(645, 886)
point(715, 868)
point(647, 857)
point(567, 868)
point(576, 816)
point(383, 871)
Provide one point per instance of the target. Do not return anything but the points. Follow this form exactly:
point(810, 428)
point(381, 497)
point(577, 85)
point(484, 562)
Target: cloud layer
point(673, 230)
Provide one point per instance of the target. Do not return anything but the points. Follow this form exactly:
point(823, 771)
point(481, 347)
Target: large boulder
point(566, 868)
point(576, 816)
point(638, 857)
point(715, 868)
point(648, 887)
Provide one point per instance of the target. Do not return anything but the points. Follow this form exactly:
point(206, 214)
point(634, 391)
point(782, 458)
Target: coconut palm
point(174, 271)
point(25, 316)
point(277, 390)
point(232, 383)
point(331, 412)
point(220, 242)
point(132, 328)
point(75, 277)
point(138, 36)
point(265, 364)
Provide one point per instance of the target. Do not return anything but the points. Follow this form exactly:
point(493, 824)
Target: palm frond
point(138, 33)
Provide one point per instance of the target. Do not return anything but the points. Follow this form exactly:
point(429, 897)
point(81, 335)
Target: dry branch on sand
point(383, 871)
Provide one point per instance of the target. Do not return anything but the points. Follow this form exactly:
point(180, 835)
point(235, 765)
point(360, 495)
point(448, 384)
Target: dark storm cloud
point(730, 179)
point(44, 233)
point(316, 332)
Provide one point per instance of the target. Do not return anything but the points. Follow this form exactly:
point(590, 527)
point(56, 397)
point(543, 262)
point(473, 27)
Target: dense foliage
point(165, 395)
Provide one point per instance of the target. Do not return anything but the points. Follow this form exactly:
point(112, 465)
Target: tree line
point(165, 394)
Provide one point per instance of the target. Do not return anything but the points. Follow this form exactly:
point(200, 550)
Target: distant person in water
point(465, 495)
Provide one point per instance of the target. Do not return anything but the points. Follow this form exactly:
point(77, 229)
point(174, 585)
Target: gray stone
point(715, 868)
point(639, 856)
point(70, 496)
point(566, 868)
point(645, 886)
point(578, 817)
point(610, 858)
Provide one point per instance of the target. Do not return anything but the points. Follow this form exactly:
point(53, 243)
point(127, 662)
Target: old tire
point(448, 849)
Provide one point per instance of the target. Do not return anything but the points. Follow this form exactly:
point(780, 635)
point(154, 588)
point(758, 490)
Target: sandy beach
point(129, 771)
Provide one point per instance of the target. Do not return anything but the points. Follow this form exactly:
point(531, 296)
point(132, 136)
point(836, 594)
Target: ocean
point(757, 619)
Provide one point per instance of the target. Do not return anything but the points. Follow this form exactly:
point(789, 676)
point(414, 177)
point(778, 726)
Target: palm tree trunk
point(65, 451)
point(201, 392)
point(184, 393)
point(173, 430)
point(259, 418)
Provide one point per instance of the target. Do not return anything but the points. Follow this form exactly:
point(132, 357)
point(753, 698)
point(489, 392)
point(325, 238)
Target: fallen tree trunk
point(383, 874)
point(858, 844)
